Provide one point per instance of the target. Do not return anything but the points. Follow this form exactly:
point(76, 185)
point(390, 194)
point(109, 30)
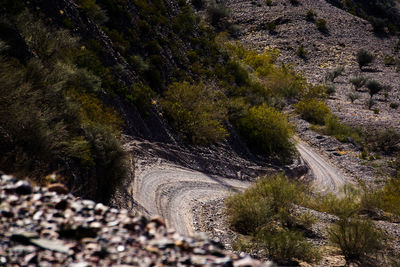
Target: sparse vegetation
point(321, 25)
point(301, 52)
point(364, 58)
point(353, 97)
point(267, 203)
point(358, 82)
point(332, 75)
point(374, 87)
point(310, 16)
point(359, 240)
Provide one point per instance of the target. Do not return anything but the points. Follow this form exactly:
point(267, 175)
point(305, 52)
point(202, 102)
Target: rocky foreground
point(41, 227)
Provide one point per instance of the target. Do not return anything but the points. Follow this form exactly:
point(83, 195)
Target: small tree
point(374, 87)
point(364, 58)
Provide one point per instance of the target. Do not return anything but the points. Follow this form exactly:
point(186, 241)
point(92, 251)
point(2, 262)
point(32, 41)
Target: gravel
point(39, 227)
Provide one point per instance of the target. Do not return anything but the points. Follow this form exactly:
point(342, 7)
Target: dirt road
point(326, 178)
point(172, 192)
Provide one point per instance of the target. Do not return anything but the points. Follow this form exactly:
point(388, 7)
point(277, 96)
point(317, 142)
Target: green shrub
point(364, 58)
point(310, 16)
point(391, 196)
point(374, 87)
point(92, 10)
point(358, 82)
point(267, 131)
point(378, 24)
point(268, 2)
point(384, 140)
point(110, 162)
point(285, 82)
point(353, 97)
point(218, 15)
point(141, 96)
point(264, 211)
point(341, 131)
point(271, 26)
point(283, 246)
point(264, 201)
point(359, 240)
point(196, 111)
point(389, 60)
point(321, 25)
point(313, 111)
point(394, 105)
point(332, 75)
point(301, 52)
point(345, 205)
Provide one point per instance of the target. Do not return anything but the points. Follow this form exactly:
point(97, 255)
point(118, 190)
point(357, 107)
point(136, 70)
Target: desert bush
point(301, 52)
point(271, 26)
point(257, 206)
point(353, 97)
point(313, 111)
point(384, 140)
point(332, 75)
point(374, 87)
point(196, 111)
point(389, 60)
point(378, 25)
point(394, 105)
point(294, 2)
point(341, 131)
point(263, 211)
point(364, 58)
point(358, 82)
point(218, 15)
point(310, 16)
point(391, 196)
point(110, 162)
point(283, 246)
point(321, 25)
point(285, 82)
point(267, 131)
point(359, 240)
point(92, 10)
point(345, 205)
point(141, 96)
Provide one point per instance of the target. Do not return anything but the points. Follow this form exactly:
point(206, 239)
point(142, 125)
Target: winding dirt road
point(172, 192)
point(326, 178)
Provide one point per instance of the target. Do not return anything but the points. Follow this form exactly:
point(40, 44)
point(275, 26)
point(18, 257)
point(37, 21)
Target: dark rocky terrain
point(42, 227)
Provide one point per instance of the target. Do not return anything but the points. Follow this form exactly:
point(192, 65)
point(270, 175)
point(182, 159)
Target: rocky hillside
point(327, 49)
